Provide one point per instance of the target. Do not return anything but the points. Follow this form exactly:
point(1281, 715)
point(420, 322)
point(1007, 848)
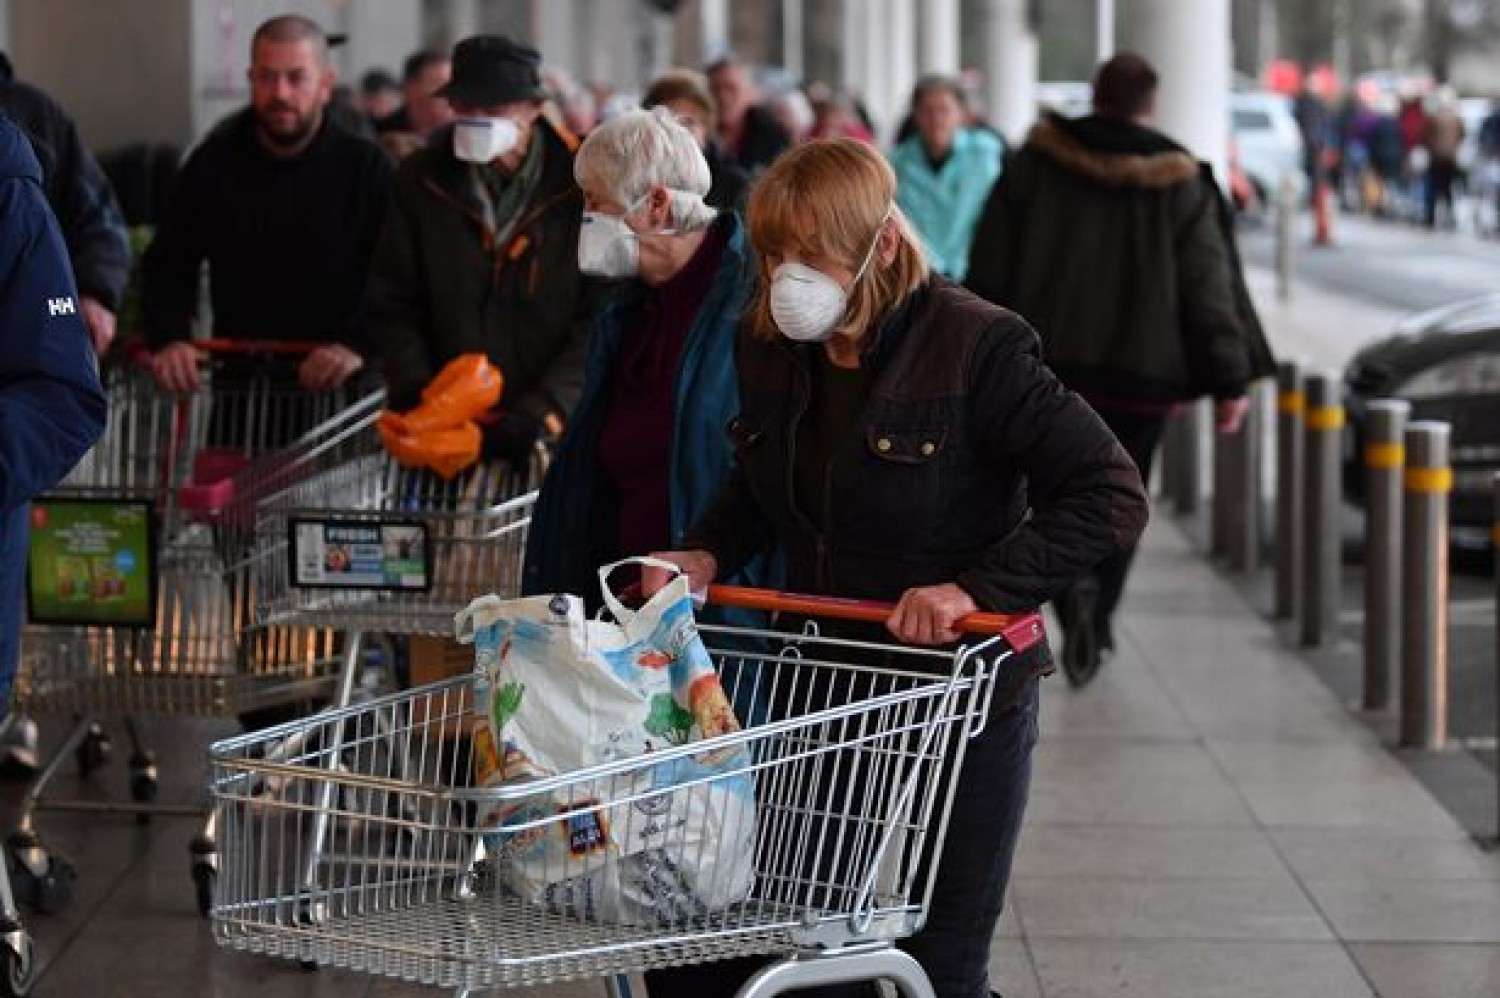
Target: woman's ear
point(659, 209)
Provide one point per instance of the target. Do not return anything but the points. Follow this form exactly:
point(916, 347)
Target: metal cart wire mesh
point(191, 466)
point(368, 848)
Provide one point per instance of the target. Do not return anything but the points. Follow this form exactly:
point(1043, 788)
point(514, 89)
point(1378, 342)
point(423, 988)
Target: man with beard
point(285, 206)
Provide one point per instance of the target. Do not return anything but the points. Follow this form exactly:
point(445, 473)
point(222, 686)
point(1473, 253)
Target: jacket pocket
point(906, 447)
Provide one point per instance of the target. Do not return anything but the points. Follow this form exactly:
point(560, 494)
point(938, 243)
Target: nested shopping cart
point(369, 848)
point(140, 584)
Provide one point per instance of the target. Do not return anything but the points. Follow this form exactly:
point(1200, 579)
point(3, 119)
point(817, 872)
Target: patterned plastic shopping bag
point(565, 699)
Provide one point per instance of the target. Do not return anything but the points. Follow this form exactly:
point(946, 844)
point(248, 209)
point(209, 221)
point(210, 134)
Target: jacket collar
point(451, 174)
point(1113, 153)
point(733, 269)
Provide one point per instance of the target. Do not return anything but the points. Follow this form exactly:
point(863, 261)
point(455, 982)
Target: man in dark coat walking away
point(1115, 243)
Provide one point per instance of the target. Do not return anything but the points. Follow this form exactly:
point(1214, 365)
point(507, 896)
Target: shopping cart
point(140, 585)
point(369, 849)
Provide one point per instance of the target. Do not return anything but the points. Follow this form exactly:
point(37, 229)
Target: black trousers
point(1140, 434)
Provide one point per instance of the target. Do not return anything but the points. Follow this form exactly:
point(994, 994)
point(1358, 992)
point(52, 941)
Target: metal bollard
point(1237, 490)
point(1170, 465)
point(1290, 404)
point(1385, 460)
point(1286, 225)
point(1495, 539)
point(1195, 428)
point(1323, 422)
point(1424, 570)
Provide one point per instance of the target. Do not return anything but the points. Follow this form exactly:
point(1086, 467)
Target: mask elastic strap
point(870, 253)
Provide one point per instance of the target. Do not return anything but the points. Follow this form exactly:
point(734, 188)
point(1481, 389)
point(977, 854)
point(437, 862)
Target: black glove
point(509, 436)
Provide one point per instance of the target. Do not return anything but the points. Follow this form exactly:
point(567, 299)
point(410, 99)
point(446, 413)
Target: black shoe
point(1081, 655)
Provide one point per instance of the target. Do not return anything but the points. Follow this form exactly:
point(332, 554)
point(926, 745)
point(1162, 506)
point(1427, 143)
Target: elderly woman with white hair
point(647, 445)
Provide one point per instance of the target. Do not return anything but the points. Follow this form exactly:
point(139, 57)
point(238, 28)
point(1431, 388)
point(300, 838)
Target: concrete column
point(872, 40)
point(1104, 29)
point(460, 19)
point(1010, 70)
point(940, 34)
point(794, 38)
point(900, 61)
point(855, 69)
point(1189, 45)
point(557, 24)
point(715, 34)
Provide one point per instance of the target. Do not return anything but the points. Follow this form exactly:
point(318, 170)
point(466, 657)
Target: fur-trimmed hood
point(1113, 154)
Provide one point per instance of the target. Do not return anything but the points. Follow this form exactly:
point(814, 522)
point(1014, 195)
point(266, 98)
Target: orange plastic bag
point(468, 386)
point(446, 451)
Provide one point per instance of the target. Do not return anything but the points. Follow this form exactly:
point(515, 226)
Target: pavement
point(1208, 820)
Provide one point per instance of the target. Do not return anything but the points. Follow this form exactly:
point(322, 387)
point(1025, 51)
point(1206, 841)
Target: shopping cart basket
point(140, 583)
point(367, 849)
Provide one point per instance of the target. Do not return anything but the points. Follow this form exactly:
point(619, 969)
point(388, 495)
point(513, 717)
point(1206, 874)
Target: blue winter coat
point(51, 406)
point(573, 523)
point(945, 206)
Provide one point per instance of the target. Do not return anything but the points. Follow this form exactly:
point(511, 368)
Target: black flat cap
point(490, 70)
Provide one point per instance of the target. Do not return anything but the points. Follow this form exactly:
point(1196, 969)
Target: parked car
point(1446, 363)
point(1269, 142)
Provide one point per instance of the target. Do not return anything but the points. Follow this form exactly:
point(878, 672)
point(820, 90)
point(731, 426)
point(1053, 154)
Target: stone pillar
point(1010, 70)
point(855, 70)
point(898, 29)
point(715, 32)
point(557, 26)
point(1189, 45)
point(940, 34)
point(793, 39)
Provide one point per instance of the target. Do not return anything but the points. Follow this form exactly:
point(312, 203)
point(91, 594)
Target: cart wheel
point(205, 885)
point(93, 751)
point(143, 782)
point(43, 881)
point(18, 968)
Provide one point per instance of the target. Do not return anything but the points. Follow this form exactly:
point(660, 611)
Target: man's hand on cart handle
point(328, 367)
point(700, 567)
point(928, 615)
point(175, 367)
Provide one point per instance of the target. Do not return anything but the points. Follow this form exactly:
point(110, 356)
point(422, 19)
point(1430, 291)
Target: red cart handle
point(290, 348)
point(1021, 631)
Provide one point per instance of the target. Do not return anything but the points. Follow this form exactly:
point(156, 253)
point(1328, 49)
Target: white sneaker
point(18, 751)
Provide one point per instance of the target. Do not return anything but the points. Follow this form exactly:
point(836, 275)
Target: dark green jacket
point(443, 285)
point(1116, 245)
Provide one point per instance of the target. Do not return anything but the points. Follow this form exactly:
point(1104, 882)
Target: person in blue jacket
point(52, 408)
point(944, 172)
point(648, 444)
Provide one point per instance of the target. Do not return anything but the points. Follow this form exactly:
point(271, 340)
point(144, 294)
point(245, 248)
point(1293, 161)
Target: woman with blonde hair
point(899, 439)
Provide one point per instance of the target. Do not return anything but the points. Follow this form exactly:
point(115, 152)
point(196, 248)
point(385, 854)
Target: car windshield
point(1252, 121)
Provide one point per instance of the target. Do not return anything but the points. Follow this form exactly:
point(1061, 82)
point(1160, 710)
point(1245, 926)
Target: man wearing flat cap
point(480, 250)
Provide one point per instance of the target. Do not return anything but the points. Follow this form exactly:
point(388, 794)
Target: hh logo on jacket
point(60, 306)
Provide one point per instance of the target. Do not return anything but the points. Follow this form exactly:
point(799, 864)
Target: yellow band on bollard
point(1429, 479)
point(1291, 403)
point(1385, 455)
point(1329, 417)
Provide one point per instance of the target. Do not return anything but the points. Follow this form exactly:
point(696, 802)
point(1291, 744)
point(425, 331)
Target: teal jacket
point(944, 206)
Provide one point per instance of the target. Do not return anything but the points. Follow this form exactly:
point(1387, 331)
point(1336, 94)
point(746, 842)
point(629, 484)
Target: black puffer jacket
point(1114, 242)
point(442, 284)
point(970, 463)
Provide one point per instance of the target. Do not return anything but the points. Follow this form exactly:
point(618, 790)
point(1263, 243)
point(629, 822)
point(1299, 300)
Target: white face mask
point(607, 247)
point(806, 304)
point(483, 140)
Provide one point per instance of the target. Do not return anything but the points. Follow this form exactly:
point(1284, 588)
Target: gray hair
point(635, 151)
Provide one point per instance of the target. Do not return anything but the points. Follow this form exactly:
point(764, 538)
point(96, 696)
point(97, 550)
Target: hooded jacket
point(51, 406)
point(443, 284)
point(80, 194)
point(1116, 245)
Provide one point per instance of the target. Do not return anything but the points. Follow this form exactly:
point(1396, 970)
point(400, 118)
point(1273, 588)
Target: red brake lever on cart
point(260, 348)
point(1021, 630)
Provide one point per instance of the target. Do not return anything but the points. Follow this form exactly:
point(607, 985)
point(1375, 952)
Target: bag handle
point(617, 609)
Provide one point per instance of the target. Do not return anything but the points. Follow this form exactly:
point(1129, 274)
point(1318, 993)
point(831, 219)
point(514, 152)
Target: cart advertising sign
point(92, 562)
point(360, 554)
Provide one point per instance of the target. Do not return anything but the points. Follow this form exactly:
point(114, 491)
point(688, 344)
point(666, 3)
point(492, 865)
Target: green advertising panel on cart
point(92, 561)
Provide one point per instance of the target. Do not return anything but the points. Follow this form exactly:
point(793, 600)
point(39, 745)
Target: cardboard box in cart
point(433, 659)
